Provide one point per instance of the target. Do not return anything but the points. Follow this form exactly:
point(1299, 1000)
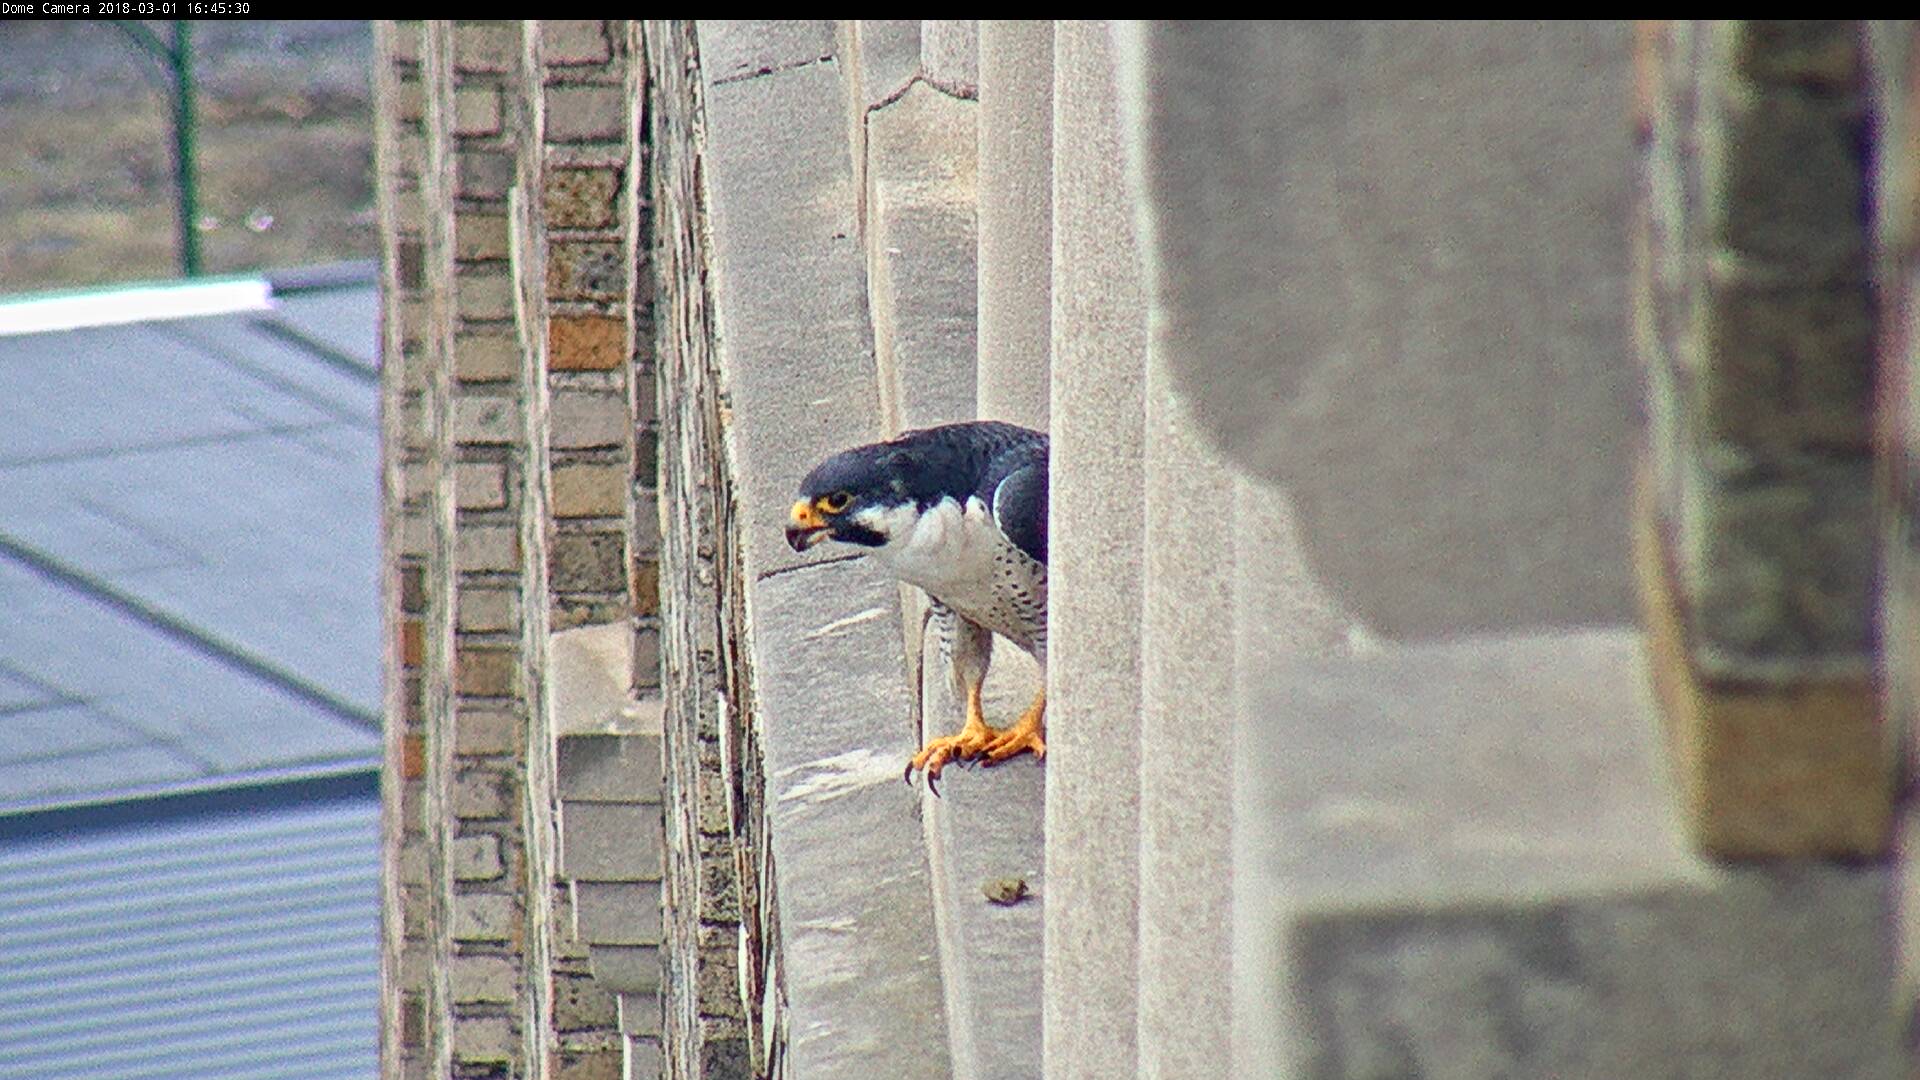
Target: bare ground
point(86, 159)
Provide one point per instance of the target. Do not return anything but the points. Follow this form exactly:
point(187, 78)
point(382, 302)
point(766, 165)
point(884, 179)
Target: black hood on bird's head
point(918, 468)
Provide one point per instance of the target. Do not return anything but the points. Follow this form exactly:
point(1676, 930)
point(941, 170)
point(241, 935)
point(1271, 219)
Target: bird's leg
point(967, 744)
point(1029, 733)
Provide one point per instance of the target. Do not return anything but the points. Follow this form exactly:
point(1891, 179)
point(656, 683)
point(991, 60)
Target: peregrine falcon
point(960, 511)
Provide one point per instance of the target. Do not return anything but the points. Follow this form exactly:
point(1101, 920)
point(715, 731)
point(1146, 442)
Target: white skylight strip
point(136, 303)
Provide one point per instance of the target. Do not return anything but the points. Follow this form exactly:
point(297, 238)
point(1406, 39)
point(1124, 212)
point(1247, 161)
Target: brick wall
point(718, 910)
point(509, 223)
point(1753, 313)
point(408, 1035)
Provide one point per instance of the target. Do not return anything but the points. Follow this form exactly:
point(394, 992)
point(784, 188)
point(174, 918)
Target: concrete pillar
point(1015, 214)
point(1400, 323)
point(1094, 577)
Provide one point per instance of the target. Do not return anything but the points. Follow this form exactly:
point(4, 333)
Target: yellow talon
point(1027, 735)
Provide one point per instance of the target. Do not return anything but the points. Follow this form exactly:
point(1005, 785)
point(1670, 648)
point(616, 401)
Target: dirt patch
point(86, 185)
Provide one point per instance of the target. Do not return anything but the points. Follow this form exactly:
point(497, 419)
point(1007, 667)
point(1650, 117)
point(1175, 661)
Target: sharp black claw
point(933, 785)
point(906, 774)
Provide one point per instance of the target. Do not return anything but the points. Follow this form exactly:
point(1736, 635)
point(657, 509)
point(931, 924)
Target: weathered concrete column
point(1016, 213)
point(920, 184)
point(1094, 616)
point(1386, 266)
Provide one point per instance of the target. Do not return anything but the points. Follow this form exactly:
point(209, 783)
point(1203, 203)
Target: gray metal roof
point(219, 942)
point(190, 691)
point(189, 549)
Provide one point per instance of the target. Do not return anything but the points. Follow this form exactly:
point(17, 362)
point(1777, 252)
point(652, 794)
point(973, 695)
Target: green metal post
point(185, 173)
point(178, 58)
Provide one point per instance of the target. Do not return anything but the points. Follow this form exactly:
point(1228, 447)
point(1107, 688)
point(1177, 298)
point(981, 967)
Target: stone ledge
point(985, 833)
point(1461, 860)
point(860, 957)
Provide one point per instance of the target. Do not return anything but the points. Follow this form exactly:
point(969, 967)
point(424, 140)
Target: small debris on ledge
point(1006, 891)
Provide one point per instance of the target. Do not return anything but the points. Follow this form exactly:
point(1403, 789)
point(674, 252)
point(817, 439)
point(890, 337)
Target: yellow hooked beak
point(805, 527)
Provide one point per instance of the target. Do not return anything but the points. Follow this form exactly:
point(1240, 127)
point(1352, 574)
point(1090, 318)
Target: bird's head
point(859, 496)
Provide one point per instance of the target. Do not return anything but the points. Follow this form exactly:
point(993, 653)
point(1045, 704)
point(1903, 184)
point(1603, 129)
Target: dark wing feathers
point(1015, 488)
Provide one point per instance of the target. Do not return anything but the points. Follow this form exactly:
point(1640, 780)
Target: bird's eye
point(835, 502)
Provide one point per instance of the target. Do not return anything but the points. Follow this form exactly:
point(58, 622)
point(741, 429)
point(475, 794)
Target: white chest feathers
point(958, 554)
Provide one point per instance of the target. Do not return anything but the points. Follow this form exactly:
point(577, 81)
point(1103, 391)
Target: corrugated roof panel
point(233, 945)
point(189, 546)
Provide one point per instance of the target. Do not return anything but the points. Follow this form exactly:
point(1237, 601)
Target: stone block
point(647, 660)
point(584, 420)
point(587, 342)
point(610, 841)
point(608, 767)
point(486, 732)
point(486, 47)
point(479, 610)
point(950, 55)
point(478, 485)
point(480, 1040)
point(584, 270)
point(645, 1058)
point(1786, 369)
point(485, 357)
point(483, 794)
point(889, 54)
point(626, 969)
point(1778, 768)
point(1783, 184)
point(485, 420)
point(1016, 219)
point(617, 913)
point(646, 522)
point(589, 674)
point(484, 917)
point(482, 979)
point(486, 548)
point(1361, 351)
point(586, 114)
point(587, 562)
point(646, 587)
point(1777, 562)
point(413, 645)
point(1459, 860)
point(639, 1014)
point(589, 490)
point(567, 42)
point(853, 887)
point(484, 295)
point(733, 50)
point(582, 198)
point(475, 858)
point(405, 42)
point(588, 1063)
point(581, 1005)
point(478, 237)
point(921, 186)
point(790, 302)
point(476, 110)
point(483, 174)
point(481, 671)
